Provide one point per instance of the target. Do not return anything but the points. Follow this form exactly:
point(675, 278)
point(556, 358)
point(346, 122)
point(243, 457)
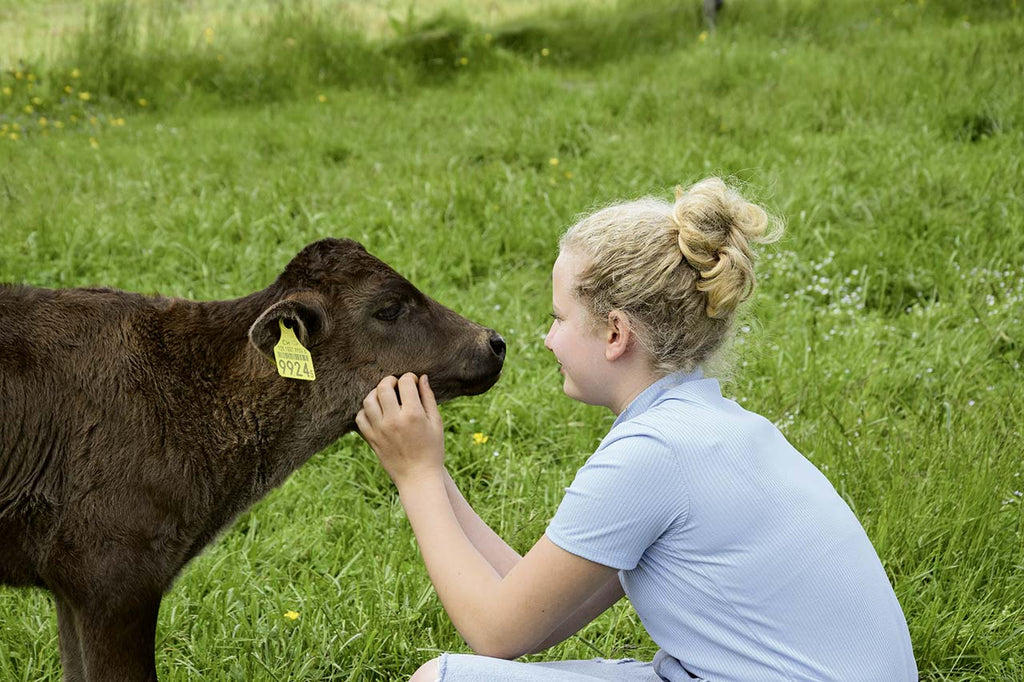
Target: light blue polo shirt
point(738, 555)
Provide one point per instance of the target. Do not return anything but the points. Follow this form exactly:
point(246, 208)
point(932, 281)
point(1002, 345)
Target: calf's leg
point(70, 647)
point(117, 642)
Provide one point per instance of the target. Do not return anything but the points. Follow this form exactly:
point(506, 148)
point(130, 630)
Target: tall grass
point(128, 53)
point(886, 340)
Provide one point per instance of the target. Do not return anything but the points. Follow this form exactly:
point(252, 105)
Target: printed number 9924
point(294, 368)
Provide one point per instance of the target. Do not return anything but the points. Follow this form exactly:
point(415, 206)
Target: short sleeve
point(622, 500)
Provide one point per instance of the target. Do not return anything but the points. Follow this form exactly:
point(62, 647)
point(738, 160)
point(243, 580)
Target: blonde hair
point(678, 271)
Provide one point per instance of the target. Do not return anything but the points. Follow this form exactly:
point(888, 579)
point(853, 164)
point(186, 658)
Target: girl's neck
point(633, 380)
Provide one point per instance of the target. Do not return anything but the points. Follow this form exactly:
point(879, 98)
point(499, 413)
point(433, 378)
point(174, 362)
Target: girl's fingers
point(427, 396)
point(371, 408)
point(408, 393)
point(386, 395)
point(362, 423)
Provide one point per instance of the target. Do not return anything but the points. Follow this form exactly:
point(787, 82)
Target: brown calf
point(133, 429)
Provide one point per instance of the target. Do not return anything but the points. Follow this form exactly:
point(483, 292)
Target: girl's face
point(578, 344)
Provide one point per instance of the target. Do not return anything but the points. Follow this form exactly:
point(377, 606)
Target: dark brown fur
point(133, 429)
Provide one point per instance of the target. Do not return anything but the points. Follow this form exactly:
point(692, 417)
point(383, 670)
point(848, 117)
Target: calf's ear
point(305, 315)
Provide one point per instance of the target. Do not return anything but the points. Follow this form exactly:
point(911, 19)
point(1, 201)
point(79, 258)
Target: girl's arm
point(598, 603)
point(497, 552)
point(502, 558)
point(498, 615)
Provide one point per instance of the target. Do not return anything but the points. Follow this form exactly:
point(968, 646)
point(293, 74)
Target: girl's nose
point(547, 339)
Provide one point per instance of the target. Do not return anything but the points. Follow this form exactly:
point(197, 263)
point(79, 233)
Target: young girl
point(740, 558)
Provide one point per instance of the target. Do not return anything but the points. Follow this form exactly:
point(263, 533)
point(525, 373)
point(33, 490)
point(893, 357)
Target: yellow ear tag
point(293, 360)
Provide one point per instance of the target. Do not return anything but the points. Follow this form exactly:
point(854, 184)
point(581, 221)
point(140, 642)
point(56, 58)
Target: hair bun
point(716, 226)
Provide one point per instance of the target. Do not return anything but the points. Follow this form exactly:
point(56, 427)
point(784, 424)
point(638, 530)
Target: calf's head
point(363, 321)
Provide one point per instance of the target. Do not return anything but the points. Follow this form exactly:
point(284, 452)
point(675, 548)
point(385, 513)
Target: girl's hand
point(404, 428)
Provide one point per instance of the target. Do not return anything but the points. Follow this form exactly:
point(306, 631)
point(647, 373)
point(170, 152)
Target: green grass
point(886, 339)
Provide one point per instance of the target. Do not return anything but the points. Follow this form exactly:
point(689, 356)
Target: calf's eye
point(390, 313)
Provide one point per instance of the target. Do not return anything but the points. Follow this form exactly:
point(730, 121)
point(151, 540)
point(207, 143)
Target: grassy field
point(886, 340)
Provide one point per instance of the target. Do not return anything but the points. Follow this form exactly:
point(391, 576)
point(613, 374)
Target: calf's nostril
point(497, 344)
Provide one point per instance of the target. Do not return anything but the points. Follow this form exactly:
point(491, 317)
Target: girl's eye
point(390, 313)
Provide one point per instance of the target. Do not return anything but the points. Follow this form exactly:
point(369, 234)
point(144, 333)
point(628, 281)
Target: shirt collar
point(652, 393)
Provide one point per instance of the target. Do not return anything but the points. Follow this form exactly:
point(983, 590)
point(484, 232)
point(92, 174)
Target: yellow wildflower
point(84, 96)
point(29, 109)
point(291, 615)
point(93, 120)
point(13, 136)
point(321, 98)
point(94, 143)
point(68, 89)
point(480, 439)
point(702, 37)
point(545, 52)
point(464, 61)
point(568, 175)
point(36, 101)
point(143, 102)
point(58, 124)
point(31, 78)
point(75, 73)
point(7, 91)
point(209, 35)
point(18, 75)
point(42, 121)
point(119, 122)
point(553, 161)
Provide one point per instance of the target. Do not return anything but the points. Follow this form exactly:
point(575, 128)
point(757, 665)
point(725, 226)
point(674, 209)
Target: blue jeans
point(466, 668)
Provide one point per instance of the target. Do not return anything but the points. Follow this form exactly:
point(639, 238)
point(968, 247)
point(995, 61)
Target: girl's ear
point(618, 336)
